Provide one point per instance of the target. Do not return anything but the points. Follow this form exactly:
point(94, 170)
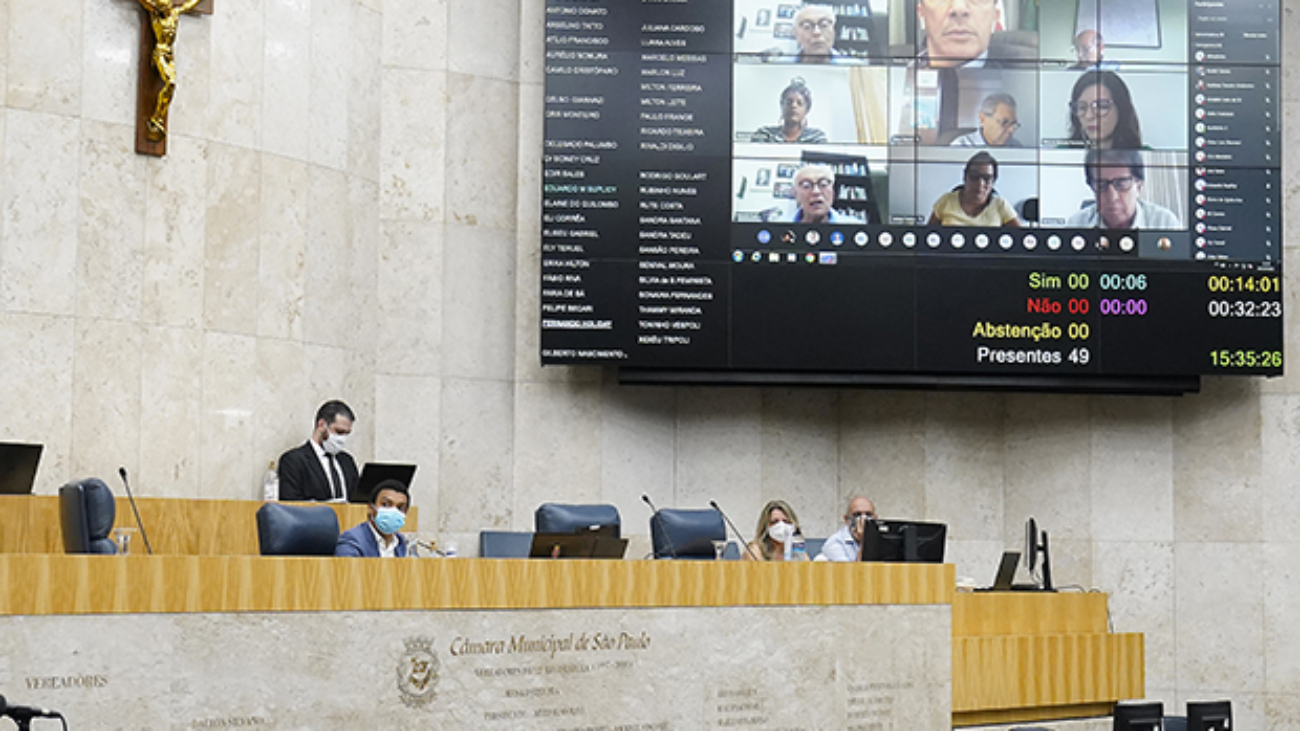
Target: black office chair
point(87, 512)
point(560, 518)
point(297, 530)
point(686, 533)
point(504, 544)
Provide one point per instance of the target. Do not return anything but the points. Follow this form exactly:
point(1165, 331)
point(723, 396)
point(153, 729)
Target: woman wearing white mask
point(777, 524)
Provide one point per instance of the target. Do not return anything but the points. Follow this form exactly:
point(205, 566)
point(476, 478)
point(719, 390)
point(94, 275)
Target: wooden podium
point(1015, 657)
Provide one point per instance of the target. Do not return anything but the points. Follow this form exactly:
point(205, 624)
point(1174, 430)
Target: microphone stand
point(662, 531)
point(748, 548)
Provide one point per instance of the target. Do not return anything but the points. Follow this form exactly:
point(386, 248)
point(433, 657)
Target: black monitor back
point(1209, 716)
point(1139, 716)
point(905, 541)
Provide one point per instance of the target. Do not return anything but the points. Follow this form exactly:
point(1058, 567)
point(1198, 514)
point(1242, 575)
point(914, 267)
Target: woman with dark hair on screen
point(975, 202)
point(1102, 114)
point(796, 100)
point(777, 524)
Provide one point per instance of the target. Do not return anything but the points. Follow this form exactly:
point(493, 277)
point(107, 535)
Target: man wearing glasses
point(1116, 178)
point(814, 30)
point(844, 544)
point(998, 124)
point(814, 191)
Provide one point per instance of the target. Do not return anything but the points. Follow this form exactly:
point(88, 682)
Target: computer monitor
point(1209, 716)
point(18, 467)
point(905, 541)
point(1139, 717)
point(1036, 553)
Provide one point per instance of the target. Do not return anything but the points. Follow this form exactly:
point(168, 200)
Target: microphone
point(20, 714)
point(121, 472)
point(662, 531)
point(748, 548)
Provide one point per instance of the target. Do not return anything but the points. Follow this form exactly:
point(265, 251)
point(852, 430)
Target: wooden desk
point(1027, 656)
point(30, 524)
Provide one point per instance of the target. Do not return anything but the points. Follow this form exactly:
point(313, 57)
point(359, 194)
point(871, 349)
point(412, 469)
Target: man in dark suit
point(378, 537)
point(320, 469)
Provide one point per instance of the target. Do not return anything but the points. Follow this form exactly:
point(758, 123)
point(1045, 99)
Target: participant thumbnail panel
point(1116, 189)
point(979, 191)
point(837, 33)
point(822, 184)
point(809, 105)
point(977, 34)
point(1113, 35)
point(1142, 109)
point(984, 107)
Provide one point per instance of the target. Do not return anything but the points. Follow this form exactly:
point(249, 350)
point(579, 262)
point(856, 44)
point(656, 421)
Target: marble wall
point(349, 208)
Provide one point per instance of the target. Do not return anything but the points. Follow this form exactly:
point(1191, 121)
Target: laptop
point(373, 473)
point(18, 467)
point(1006, 572)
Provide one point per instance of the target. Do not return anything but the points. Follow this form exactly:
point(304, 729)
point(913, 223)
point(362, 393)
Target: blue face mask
point(389, 520)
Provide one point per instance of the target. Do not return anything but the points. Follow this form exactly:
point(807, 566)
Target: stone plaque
point(885, 668)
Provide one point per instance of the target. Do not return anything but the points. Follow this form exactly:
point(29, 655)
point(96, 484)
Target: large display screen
point(928, 187)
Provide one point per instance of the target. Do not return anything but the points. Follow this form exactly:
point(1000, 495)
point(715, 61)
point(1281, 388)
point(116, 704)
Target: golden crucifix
point(157, 44)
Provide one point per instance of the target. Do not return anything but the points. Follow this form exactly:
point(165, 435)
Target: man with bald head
point(846, 544)
point(1089, 49)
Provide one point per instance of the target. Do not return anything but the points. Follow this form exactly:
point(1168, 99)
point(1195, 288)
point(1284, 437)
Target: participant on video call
point(814, 191)
point(1102, 113)
point(998, 122)
point(378, 536)
point(814, 31)
point(796, 101)
point(846, 543)
point(320, 469)
point(959, 33)
point(1116, 178)
point(1088, 50)
point(777, 524)
point(975, 202)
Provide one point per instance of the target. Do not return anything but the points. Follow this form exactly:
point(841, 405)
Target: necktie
point(334, 478)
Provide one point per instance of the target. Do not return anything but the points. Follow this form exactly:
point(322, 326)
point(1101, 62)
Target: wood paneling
point(30, 524)
point(1027, 656)
point(58, 584)
point(981, 614)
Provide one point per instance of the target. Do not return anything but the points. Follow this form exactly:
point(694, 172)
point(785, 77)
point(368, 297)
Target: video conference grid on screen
point(925, 186)
point(957, 113)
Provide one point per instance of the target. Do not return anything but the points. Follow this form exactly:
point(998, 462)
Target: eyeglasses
point(980, 177)
point(824, 184)
point(855, 516)
point(1121, 185)
point(823, 25)
point(1100, 108)
point(1010, 124)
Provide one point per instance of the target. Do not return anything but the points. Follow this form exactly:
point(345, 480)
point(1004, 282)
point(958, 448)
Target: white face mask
point(334, 443)
point(780, 532)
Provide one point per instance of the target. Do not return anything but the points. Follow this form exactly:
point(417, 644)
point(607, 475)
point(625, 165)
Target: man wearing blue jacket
point(379, 536)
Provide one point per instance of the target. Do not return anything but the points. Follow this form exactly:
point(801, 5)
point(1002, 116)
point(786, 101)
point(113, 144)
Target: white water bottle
point(798, 547)
point(271, 488)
